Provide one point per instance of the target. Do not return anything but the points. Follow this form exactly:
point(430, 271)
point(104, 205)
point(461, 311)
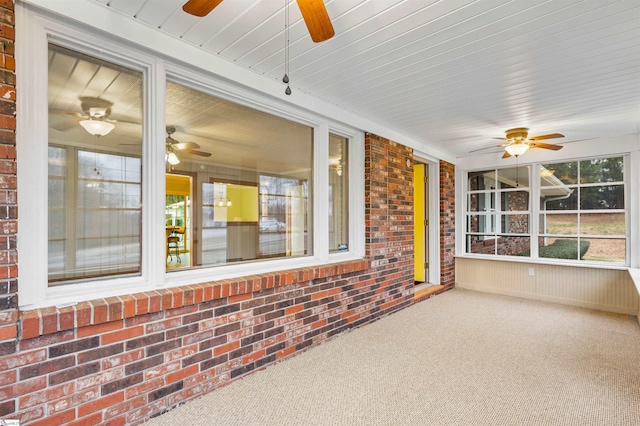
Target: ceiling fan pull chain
point(285, 79)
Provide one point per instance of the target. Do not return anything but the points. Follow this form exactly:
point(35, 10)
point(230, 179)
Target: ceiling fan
point(517, 142)
point(313, 12)
point(174, 146)
point(94, 117)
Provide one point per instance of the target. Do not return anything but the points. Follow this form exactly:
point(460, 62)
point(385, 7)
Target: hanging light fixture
point(97, 127)
point(517, 149)
point(172, 158)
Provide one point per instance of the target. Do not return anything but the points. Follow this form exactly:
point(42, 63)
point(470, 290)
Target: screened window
point(94, 155)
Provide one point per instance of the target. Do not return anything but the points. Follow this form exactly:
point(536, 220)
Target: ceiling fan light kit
point(97, 127)
point(517, 149)
point(517, 142)
point(172, 158)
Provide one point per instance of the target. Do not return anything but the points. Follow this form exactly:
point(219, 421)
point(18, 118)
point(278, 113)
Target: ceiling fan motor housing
point(518, 134)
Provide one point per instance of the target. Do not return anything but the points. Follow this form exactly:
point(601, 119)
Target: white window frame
point(35, 30)
point(535, 212)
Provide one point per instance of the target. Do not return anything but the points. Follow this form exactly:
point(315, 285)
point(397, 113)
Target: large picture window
point(581, 214)
point(154, 175)
point(249, 178)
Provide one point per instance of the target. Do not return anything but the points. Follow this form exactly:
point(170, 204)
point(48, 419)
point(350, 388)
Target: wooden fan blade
point(186, 145)
point(65, 124)
point(543, 137)
point(317, 19)
point(200, 153)
point(545, 145)
point(506, 155)
point(200, 7)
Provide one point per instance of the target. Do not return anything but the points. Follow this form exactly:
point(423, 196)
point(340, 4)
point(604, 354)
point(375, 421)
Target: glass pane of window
point(567, 201)
point(483, 180)
point(338, 194)
point(251, 176)
point(514, 223)
point(559, 174)
point(481, 244)
point(602, 170)
point(602, 197)
point(481, 202)
point(559, 224)
point(513, 177)
point(514, 201)
point(606, 250)
point(562, 248)
point(513, 246)
point(484, 223)
point(95, 150)
point(602, 224)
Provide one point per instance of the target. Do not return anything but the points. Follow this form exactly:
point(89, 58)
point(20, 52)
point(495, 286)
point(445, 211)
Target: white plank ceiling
point(451, 74)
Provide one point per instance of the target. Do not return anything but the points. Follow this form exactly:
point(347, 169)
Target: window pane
point(602, 197)
point(602, 224)
point(567, 201)
point(559, 224)
point(513, 177)
point(482, 202)
point(95, 141)
point(515, 223)
point(485, 223)
point(559, 174)
point(481, 244)
point(514, 201)
point(483, 180)
point(513, 246)
point(248, 197)
point(338, 194)
point(602, 170)
point(562, 248)
point(606, 250)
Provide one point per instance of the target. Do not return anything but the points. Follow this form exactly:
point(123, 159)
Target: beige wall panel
point(596, 288)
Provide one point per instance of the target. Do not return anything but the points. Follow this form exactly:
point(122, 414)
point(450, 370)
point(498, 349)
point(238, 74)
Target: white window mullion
point(154, 256)
point(321, 191)
point(534, 209)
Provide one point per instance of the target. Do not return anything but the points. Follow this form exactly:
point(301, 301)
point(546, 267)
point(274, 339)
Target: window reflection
point(253, 176)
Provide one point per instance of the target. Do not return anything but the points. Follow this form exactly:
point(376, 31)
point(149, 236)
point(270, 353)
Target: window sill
point(540, 261)
point(109, 313)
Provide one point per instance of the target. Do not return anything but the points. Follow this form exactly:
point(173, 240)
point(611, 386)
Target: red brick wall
point(447, 224)
point(123, 359)
point(8, 196)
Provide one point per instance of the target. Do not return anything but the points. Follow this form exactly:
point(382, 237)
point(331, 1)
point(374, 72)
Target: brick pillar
point(8, 196)
point(447, 224)
point(389, 212)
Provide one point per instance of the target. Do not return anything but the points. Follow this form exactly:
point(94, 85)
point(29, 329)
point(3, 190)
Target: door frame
point(433, 190)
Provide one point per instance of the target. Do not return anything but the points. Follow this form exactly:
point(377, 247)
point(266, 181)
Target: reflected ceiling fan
point(517, 142)
point(94, 117)
point(174, 146)
point(313, 12)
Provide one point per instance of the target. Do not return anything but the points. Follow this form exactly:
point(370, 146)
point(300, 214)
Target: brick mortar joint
point(307, 273)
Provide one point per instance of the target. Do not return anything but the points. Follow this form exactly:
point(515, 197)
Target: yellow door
point(419, 223)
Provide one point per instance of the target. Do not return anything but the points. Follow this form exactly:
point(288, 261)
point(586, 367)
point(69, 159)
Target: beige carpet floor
point(461, 358)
